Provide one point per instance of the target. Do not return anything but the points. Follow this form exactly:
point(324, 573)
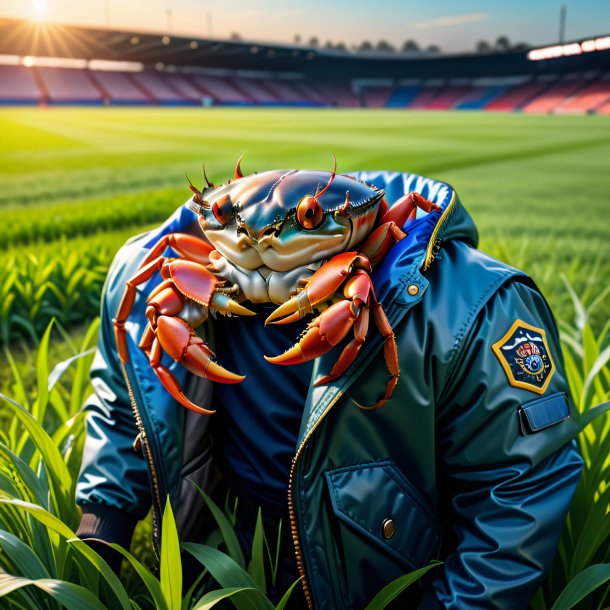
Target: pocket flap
point(544, 412)
point(366, 496)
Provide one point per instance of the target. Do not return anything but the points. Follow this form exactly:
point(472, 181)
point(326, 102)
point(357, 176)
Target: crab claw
point(227, 306)
point(182, 344)
point(322, 334)
point(170, 383)
point(319, 287)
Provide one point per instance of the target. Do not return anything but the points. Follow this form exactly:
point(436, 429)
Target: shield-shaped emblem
point(525, 357)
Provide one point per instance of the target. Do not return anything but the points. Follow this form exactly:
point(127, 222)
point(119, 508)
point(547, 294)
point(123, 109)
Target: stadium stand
point(337, 93)
point(122, 67)
point(18, 86)
point(377, 97)
point(552, 97)
point(310, 94)
point(158, 88)
point(117, 88)
point(603, 109)
point(448, 97)
point(402, 96)
point(515, 97)
point(185, 88)
point(426, 94)
point(68, 85)
point(288, 93)
point(220, 90)
point(587, 99)
point(254, 91)
point(480, 96)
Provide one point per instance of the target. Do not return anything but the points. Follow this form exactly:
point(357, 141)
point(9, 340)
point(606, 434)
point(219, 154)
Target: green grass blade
point(23, 558)
point(171, 566)
point(228, 533)
point(392, 590)
point(150, 582)
point(59, 477)
point(282, 604)
point(73, 597)
point(256, 567)
point(228, 574)
point(42, 369)
point(55, 524)
point(209, 600)
point(582, 585)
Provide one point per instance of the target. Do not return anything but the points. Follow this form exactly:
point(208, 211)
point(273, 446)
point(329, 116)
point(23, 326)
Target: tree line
point(502, 44)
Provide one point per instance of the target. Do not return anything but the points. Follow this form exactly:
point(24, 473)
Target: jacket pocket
point(543, 413)
point(377, 501)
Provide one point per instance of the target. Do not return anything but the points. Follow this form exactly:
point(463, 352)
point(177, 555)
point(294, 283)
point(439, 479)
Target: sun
point(40, 9)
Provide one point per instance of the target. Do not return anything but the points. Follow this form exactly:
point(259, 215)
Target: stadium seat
point(69, 86)
point(18, 86)
point(587, 99)
point(118, 89)
point(514, 97)
point(555, 95)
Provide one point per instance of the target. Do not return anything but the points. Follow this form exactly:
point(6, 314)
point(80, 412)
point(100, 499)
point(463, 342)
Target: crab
point(304, 240)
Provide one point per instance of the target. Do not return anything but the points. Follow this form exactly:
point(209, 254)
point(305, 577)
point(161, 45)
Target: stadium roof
point(24, 38)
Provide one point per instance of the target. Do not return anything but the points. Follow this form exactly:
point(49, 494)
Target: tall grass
point(45, 222)
point(43, 565)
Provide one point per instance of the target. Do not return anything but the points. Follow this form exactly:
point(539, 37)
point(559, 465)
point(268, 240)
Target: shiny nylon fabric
point(498, 496)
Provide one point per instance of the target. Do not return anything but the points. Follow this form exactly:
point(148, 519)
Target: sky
point(451, 25)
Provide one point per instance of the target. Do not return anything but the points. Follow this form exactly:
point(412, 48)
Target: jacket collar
point(399, 280)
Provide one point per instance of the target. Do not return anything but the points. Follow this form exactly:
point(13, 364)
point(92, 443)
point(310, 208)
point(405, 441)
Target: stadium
point(75, 65)
point(100, 125)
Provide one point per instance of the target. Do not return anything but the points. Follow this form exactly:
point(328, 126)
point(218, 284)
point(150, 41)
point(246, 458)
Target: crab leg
point(129, 297)
point(169, 382)
point(390, 353)
point(389, 230)
point(349, 353)
point(189, 246)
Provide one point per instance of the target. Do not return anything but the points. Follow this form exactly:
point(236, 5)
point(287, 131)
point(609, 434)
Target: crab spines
point(332, 177)
point(238, 173)
point(196, 192)
point(208, 184)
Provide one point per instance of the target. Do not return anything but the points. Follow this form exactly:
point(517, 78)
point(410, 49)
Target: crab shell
point(255, 221)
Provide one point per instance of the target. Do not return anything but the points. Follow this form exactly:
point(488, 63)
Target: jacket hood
point(409, 259)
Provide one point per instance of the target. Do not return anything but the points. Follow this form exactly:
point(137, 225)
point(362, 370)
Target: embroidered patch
point(524, 355)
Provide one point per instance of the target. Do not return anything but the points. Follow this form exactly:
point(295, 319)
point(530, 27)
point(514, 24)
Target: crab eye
point(309, 213)
point(222, 209)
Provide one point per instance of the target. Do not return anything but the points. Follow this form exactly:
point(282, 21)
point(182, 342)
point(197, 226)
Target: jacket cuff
point(110, 525)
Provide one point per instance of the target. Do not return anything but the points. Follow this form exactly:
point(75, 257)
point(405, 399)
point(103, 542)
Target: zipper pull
point(137, 443)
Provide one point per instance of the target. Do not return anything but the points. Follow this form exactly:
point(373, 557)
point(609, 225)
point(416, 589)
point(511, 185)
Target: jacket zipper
point(293, 520)
point(435, 241)
point(148, 456)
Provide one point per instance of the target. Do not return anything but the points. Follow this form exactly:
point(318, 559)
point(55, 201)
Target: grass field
point(536, 185)
point(76, 183)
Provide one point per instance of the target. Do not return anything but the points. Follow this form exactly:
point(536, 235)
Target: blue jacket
point(471, 462)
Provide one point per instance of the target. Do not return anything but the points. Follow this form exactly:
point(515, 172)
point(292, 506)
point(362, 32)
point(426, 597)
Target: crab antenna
point(238, 173)
point(318, 195)
point(207, 182)
point(193, 188)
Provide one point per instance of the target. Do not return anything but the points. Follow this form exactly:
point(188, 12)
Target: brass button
point(413, 289)
point(388, 528)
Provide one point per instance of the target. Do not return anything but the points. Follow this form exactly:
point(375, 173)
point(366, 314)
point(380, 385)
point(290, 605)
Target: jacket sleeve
point(508, 463)
point(113, 488)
